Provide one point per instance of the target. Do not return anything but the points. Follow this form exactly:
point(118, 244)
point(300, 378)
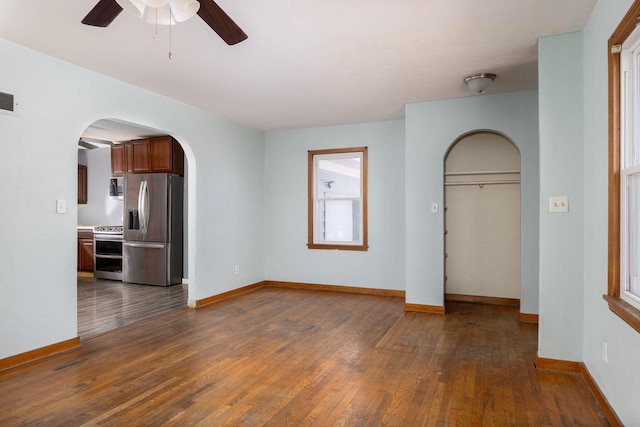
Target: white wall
point(431, 127)
point(287, 257)
point(561, 174)
point(39, 157)
point(100, 209)
point(619, 379)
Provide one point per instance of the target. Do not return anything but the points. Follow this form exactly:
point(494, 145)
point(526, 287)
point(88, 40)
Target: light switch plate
point(434, 207)
point(61, 206)
point(558, 204)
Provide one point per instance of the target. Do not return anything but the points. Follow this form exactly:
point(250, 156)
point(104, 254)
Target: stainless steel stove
point(107, 255)
point(108, 229)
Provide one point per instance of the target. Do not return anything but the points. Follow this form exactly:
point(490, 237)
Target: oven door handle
point(107, 237)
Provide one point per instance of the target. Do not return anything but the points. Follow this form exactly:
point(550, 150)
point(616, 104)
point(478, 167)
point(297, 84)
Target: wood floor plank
point(104, 305)
point(286, 357)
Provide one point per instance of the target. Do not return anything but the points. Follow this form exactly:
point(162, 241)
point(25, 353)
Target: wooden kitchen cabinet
point(128, 158)
point(85, 250)
point(118, 160)
point(82, 185)
point(140, 155)
point(166, 155)
point(153, 155)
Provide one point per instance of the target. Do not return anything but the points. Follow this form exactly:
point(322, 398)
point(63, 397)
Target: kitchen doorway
point(105, 301)
point(482, 220)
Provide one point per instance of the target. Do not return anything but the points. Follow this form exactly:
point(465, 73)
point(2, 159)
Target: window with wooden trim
point(623, 293)
point(337, 199)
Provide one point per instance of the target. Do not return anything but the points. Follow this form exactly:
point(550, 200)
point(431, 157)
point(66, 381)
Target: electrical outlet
point(605, 352)
point(237, 269)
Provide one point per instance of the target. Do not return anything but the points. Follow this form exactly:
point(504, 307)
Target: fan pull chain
point(156, 37)
point(172, 21)
point(170, 25)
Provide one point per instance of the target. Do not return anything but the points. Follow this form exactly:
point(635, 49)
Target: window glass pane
point(633, 234)
point(339, 220)
point(338, 178)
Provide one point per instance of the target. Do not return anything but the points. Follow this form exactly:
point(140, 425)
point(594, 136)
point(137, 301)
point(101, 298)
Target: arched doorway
point(482, 219)
point(106, 300)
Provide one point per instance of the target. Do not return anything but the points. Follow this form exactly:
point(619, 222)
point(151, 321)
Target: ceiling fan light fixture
point(155, 3)
point(479, 82)
point(135, 7)
point(184, 9)
point(171, 13)
point(159, 15)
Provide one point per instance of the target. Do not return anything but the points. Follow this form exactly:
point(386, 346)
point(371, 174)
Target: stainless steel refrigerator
point(152, 249)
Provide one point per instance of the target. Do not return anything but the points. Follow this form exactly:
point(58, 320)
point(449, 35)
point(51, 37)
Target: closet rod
point(515, 181)
point(481, 173)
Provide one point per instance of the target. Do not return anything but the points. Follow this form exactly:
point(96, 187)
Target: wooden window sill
point(624, 310)
point(338, 247)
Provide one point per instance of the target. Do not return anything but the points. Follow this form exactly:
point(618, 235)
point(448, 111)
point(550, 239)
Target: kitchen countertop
point(86, 227)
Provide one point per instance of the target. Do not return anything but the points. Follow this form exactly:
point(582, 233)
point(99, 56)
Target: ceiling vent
point(7, 103)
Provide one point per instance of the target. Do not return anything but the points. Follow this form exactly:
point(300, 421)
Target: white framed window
point(337, 199)
point(630, 169)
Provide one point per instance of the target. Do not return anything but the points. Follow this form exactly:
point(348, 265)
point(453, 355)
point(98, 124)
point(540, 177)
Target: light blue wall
point(431, 127)
point(57, 101)
point(247, 197)
point(561, 174)
point(619, 379)
point(574, 319)
point(286, 255)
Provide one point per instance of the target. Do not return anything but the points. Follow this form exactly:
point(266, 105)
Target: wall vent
point(7, 103)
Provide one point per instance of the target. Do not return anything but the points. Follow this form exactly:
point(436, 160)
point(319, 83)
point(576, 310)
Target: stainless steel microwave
point(116, 187)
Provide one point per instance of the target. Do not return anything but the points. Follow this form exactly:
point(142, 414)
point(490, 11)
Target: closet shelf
point(504, 181)
point(509, 172)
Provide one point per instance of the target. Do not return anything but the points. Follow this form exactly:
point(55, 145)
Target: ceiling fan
point(105, 11)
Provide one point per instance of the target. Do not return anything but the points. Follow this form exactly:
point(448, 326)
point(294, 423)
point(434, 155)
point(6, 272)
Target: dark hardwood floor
point(104, 305)
point(284, 357)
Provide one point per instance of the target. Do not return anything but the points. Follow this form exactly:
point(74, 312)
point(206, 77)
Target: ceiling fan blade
point(102, 13)
point(220, 22)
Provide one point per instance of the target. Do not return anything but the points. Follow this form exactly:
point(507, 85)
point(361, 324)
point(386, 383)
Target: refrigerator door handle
point(143, 201)
point(144, 245)
point(140, 206)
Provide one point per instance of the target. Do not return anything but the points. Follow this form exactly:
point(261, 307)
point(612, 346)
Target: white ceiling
point(308, 63)
point(111, 130)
